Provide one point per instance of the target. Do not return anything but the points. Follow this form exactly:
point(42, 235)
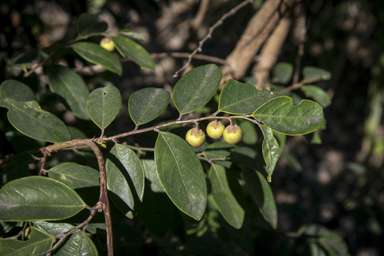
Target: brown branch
point(301, 26)
point(209, 35)
point(256, 33)
point(200, 14)
point(270, 52)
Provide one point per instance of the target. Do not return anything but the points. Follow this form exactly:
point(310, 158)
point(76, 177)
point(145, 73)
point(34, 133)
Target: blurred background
point(335, 182)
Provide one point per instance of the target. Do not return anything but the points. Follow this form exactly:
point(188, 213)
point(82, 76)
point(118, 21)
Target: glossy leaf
point(78, 244)
point(282, 116)
point(53, 228)
point(15, 90)
point(242, 98)
point(134, 51)
point(38, 242)
point(69, 85)
point(98, 55)
point(23, 60)
point(29, 119)
point(226, 192)
point(125, 179)
point(103, 105)
point(75, 175)
point(282, 72)
point(147, 104)
point(156, 211)
point(196, 88)
point(181, 174)
point(132, 34)
point(317, 94)
point(262, 194)
point(90, 23)
point(271, 150)
point(38, 198)
point(313, 73)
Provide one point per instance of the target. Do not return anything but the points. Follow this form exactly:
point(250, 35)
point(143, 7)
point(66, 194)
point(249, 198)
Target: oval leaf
point(280, 114)
point(38, 198)
point(69, 85)
point(181, 174)
point(226, 192)
point(262, 194)
point(271, 150)
point(98, 55)
point(196, 88)
point(53, 228)
point(77, 245)
point(14, 90)
point(147, 104)
point(282, 72)
point(315, 74)
point(30, 120)
point(132, 34)
point(38, 243)
point(75, 175)
point(23, 60)
point(250, 136)
point(317, 94)
point(242, 98)
point(103, 105)
point(90, 23)
point(133, 50)
point(125, 179)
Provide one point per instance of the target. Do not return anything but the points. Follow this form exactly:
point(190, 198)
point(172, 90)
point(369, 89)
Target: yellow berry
point(215, 129)
point(195, 137)
point(233, 134)
point(107, 44)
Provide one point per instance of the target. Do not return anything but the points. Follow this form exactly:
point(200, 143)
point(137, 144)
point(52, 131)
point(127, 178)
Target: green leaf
point(271, 150)
point(30, 120)
point(334, 244)
point(90, 23)
point(262, 194)
point(69, 85)
point(147, 104)
point(39, 242)
point(240, 98)
point(38, 198)
point(132, 34)
point(181, 174)
point(52, 228)
point(196, 88)
point(75, 175)
point(14, 90)
point(98, 55)
point(226, 192)
point(78, 244)
point(280, 114)
point(17, 168)
point(317, 94)
point(156, 211)
point(21, 143)
point(250, 136)
point(133, 50)
point(282, 72)
point(125, 179)
point(103, 105)
point(313, 73)
point(23, 60)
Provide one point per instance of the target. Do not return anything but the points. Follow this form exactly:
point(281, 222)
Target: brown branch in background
point(270, 52)
point(200, 14)
point(300, 34)
point(210, 31)
point(256, 33)
point(103, 199)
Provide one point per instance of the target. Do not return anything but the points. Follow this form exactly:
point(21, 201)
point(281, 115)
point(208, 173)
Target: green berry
point(107, 44)
point(195, 137)
point(233, 134)
point(215, 129)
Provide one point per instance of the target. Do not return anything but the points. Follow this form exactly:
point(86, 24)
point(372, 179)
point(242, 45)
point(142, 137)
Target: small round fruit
point(195, 137)
point(232, 134)
point(215, 129)
point(107, 44)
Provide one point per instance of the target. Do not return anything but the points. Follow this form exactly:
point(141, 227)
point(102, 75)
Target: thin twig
point(209, 35)
point(297, 85)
